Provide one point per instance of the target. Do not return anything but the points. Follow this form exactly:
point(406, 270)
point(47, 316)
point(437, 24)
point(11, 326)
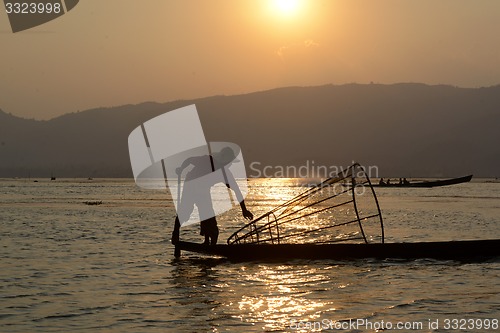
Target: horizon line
point(372, 83)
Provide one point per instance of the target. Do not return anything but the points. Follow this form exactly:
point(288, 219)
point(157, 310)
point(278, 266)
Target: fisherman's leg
point(207, 216)
point(176, 232)
point(175, 236)
point(184, 210)
point(213, 230)
point(204, 231)
point(216, 234)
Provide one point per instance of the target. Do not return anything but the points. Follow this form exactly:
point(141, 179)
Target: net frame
point(273, 227)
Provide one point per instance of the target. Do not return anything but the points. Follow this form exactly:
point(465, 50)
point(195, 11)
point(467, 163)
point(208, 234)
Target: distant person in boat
point(388, 182)
point(381, 182)
point(400, 181)
point(199, 193)
point(405, 181)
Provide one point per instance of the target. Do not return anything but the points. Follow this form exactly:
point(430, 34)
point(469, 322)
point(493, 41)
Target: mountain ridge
point(406, 130)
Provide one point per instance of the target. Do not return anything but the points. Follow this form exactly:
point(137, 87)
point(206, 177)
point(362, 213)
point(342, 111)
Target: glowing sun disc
point(286, 7)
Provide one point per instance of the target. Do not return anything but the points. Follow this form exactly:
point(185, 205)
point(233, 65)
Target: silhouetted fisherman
point(198, 193)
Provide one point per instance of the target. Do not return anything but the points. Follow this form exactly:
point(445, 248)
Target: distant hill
point(406, 130)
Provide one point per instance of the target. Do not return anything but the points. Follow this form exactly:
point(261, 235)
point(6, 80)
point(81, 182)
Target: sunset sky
point(115, 52)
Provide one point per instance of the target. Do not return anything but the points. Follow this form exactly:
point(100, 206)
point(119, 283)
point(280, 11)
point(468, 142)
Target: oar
point(177, 250)
point(179, 189)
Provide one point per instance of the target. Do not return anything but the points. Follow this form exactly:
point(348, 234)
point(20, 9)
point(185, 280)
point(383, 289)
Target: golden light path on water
point(284, 296)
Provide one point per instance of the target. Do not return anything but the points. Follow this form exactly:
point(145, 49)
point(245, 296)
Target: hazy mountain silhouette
point(406, 130)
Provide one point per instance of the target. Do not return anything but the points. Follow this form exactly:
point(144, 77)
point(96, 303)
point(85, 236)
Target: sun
point(286, 7)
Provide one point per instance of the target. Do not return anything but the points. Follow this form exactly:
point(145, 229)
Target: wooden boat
point(452, 250)
point(332, 221)
point(427, 184)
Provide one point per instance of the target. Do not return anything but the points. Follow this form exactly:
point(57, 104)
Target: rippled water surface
point(95, 256)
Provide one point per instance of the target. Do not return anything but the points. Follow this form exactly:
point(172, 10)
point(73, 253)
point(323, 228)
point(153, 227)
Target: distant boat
point(427, 184)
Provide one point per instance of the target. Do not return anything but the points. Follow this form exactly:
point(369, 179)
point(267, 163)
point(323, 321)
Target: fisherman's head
point(225, 157)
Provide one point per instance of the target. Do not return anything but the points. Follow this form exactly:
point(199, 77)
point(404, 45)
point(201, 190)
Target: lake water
point(95, 256)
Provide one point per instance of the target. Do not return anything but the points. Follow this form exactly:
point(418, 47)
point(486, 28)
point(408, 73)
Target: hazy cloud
point(296, 47)
point(310, 43)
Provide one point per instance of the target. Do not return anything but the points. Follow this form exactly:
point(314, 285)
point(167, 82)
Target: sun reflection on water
point(283, 298)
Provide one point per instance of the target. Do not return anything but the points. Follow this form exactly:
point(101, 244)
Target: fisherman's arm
point(246, 213)
point(184, 165)
point(232, 184)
